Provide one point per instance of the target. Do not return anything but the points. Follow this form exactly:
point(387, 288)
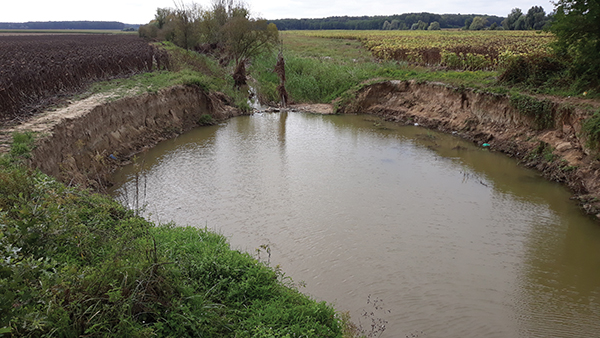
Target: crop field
point(36, 68)
point(466, 50)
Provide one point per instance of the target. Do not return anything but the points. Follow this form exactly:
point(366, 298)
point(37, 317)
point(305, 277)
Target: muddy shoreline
point(84, 147)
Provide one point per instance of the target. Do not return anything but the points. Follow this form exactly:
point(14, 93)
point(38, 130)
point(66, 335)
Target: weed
point(591, 128)
point(206, 120)
point(22, 144)
point(543, 151)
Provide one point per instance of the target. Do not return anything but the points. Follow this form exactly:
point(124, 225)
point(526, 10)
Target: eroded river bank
point(84, 145)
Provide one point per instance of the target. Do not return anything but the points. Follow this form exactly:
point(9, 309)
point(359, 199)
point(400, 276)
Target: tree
point(509, 22)
point(247, 38)
point(386, 25)
point(468, 23)
point(434, 26)
point(186, 24)
point(520, 24)
point(536, 18)
point(577, 28)
point(161, 16)
point(478, 23)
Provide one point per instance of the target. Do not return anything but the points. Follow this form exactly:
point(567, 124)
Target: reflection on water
point(454, 240)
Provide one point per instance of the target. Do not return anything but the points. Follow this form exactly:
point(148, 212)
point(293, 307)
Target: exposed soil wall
point(85, 149)
point(559, 153)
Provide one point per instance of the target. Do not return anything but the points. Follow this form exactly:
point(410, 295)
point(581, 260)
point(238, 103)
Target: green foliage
point(206, 120)
point(22, 145)
point(543, 152)
point(534, 71)
point(591, 128)
point(577, 27)
point(73, 264)
point(309, 79)
point(478, 23)
point(542, 111)
point(434, 26)
point(535, 18)
point(227, 24)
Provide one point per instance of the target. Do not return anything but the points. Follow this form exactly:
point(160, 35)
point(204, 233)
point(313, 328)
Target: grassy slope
point(74, 263)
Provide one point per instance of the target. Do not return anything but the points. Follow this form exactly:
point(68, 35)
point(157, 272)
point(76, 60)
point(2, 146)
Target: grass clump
point(591, 128)
point(22, 144)
point(74, 263)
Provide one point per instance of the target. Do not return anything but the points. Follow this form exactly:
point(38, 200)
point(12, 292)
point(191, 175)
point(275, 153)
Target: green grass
point(74, 263)
point(591, 128)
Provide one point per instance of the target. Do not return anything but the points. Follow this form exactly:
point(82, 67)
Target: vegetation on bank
point(75, 263)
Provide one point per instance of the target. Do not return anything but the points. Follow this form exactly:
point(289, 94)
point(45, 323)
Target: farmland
point(36, 68)
point(453, 49)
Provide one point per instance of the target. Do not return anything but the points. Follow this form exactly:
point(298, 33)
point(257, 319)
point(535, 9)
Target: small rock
point(564, 146)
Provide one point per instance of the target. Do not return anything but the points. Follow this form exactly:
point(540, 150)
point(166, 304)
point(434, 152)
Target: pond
point(416, 230)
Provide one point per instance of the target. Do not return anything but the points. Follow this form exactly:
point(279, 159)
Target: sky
point(142, 11)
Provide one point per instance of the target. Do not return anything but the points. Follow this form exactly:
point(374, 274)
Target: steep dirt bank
point(559, 153)
point(86, 141)
point(85, 147)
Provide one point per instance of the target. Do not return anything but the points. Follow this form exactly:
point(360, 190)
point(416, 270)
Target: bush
point(532, 70)
point(206, 120)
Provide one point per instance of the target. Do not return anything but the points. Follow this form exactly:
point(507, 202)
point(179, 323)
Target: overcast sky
point(142, 11)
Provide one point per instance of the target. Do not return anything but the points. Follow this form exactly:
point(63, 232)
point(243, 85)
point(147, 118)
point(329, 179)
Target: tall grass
point(320, 70)
point(74, 263)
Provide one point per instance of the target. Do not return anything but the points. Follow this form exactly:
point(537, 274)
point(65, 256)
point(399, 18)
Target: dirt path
point(43, 123)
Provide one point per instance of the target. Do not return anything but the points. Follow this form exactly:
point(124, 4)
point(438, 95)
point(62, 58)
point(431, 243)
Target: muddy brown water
point(446, 237)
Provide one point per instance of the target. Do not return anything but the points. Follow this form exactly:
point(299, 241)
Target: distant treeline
point(401, 21)
point(108, 25)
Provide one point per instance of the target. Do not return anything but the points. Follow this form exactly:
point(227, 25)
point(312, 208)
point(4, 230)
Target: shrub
point(531, 70)
point(206, 120)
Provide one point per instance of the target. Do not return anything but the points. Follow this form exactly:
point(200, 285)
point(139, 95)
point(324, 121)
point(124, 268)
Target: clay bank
point(85, 148)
